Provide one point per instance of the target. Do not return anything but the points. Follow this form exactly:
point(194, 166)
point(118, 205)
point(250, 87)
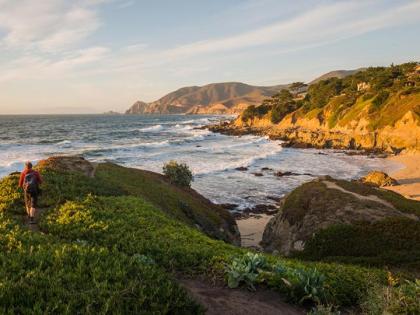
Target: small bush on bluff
point(178, 173)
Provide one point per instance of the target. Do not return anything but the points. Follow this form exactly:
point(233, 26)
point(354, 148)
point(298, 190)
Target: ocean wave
point(151, 128)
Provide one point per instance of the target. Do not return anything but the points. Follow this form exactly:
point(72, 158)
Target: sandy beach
point(252, 229)
point(408, 177)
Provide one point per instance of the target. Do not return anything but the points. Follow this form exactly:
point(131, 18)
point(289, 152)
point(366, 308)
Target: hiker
point(30, 181)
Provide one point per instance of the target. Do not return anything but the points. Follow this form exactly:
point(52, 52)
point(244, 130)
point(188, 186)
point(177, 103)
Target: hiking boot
point(32, 220)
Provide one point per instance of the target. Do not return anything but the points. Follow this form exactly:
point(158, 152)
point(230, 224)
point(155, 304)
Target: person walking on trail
point(30, 181)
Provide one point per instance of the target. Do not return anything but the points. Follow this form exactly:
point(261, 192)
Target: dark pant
point(31, 200)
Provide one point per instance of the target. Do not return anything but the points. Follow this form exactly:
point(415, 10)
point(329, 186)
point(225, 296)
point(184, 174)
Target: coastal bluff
point(376, 109)
point(337, 218)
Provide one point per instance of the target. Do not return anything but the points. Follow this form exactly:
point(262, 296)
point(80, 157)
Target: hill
point(340, 74)
point(112, 240)
point(373, 109)
point(216, 98)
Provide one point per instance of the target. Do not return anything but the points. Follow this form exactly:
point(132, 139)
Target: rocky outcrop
point(138, 108)
point(75, 164)
point(322, 203)
point(379, 179)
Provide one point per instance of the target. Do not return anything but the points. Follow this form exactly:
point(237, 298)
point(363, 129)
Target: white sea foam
point(151, 128)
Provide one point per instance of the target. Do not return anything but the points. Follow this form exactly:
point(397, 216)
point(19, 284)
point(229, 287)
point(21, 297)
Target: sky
point(92, 56)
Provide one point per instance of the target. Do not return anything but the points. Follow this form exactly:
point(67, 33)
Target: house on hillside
point(363, 86)
point(410, 83)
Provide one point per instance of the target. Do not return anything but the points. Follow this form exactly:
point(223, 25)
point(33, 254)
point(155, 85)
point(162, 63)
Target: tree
point(283, 104)
point(178, 173)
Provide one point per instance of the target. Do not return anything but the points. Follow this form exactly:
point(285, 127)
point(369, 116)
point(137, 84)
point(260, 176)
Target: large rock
point(379, 179)
point(76, 164)
point(319, 204)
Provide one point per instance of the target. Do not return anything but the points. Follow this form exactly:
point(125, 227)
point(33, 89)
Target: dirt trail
point(332, 185)
point(221, 300)
point(34, 227)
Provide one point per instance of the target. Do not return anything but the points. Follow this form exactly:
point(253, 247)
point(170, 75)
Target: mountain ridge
point(216, 98)
point(223, 98)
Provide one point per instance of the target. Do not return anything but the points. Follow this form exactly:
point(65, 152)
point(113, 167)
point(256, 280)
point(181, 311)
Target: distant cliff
point(377, 109)
point(217, 98)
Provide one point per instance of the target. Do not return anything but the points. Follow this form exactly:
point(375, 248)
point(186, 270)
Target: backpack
point(30, 183)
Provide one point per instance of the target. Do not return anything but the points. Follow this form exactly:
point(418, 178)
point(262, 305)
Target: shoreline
point(408, 177)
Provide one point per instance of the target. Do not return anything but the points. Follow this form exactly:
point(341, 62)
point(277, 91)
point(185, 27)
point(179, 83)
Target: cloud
point(47, 25)
point(36, 67)
point(322, 24)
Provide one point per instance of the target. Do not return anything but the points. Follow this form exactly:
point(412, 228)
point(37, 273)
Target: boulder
point(379, 179)
point(75, 164)
point(319, 204)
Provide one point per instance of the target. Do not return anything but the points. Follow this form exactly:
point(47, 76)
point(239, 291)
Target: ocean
point(147, 142)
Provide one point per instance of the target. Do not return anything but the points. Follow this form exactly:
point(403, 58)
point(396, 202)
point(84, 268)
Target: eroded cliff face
point(393, 129)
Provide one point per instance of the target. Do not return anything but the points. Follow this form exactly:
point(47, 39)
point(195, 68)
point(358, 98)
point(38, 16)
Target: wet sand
point(252, 229)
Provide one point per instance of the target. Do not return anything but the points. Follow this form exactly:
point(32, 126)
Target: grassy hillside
point(112, 244)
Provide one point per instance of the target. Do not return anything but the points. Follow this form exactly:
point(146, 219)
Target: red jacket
point(25, 172)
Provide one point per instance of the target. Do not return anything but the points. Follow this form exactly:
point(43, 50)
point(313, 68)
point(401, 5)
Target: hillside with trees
point(375, 108)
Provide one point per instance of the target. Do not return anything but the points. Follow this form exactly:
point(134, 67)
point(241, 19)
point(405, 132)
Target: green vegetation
point(393, 242)
point(399, 297)
point(320, 93)
point(43, 275)
point(178, 173)
point(282, 104)
point(245, 270)
point(380, 99)
point(111, 245)
point(255, 111)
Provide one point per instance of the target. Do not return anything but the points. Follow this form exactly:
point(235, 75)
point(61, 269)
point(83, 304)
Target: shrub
point(396, 298)
point(11, 198)
point(393, 241)
point(178, 173)
point(253, 111)
point(405, 299)
point(282, 104)
point(300, 285)
point(367, 96)
point(245, 269)
point(380, 98)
